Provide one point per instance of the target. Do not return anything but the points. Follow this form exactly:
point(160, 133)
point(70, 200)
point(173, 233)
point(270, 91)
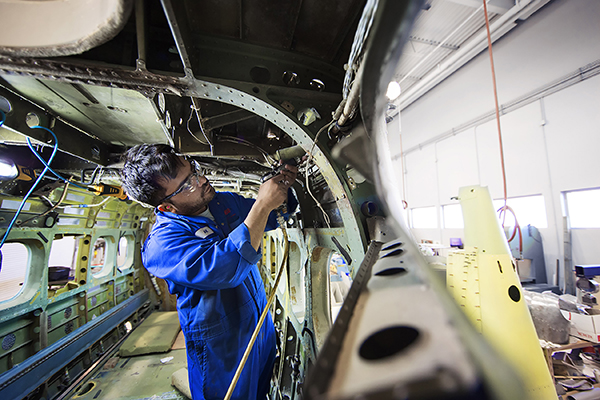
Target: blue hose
point(37, 181)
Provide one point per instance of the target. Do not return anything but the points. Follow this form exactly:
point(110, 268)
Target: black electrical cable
point(54, 207)
point(39, 157)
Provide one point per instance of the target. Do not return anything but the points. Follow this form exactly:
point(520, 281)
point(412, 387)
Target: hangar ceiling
point(447, 34)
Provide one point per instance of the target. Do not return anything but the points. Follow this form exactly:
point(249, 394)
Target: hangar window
point(582, 208)
point(424, 218)
point(530, 210)
point(14, 263)
point(453, 218)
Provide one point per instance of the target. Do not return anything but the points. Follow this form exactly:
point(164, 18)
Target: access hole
point(86, 388)
point(5, 105)
point(317, 84)
point(388, 342)
point(392, 246)
point(260, 74)
point(392, 271)
point(32, 119)
point(393, 253)
point(514, 293)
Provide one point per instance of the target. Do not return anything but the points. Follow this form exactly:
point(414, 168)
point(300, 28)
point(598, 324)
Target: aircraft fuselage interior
point(239, 87)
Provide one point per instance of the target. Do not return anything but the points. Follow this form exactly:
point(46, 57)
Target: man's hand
point(273, 192)
point(271, 195)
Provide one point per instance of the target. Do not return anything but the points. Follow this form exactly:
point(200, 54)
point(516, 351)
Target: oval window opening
point(14, 262)
point(62, 263)
point(98, 256)
point(122, 252)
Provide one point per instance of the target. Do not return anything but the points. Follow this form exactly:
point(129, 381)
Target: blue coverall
point(211, 267)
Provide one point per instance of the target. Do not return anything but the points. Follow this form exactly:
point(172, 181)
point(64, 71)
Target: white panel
point(456, 164)
point(463, 96)
point(488, 152)
point(524, 154)
point(573, 135)
point(393, 135)
point(421, 181)
point(524, 151)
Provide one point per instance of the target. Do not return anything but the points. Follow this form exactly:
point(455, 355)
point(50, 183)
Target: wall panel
point(457, 164)
point(421, 180)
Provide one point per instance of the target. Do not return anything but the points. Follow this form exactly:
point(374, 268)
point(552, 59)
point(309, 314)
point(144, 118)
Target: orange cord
point(489, 38)
point(505, 208)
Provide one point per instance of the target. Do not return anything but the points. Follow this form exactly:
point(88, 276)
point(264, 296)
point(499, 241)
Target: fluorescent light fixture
point(393, 90)
point(8, 169)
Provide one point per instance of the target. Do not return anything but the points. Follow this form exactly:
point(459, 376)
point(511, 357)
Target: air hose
point(286, 245)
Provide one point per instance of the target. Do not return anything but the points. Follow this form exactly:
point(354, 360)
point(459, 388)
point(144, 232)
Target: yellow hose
point(240, 367)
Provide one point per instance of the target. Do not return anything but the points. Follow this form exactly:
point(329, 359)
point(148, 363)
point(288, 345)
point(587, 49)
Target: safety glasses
point(188, 185)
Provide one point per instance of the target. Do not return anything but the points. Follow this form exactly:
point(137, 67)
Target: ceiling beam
point(71, 140)
point(493, 6)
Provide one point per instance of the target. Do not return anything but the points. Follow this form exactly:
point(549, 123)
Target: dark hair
point(144, 165)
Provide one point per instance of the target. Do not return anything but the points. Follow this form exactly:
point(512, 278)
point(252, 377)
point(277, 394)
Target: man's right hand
point(274, 192)
point(271, 195)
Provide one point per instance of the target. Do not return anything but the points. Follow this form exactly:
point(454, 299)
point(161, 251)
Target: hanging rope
point(504, 209)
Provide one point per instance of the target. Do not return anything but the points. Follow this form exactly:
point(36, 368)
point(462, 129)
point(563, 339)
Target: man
point(206, 246)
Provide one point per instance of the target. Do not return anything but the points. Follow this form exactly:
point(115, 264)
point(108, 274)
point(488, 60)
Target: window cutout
point(98, 256)
point(453, 218)
point(15, 262)
point(339, 283)
point(530, 210)
point(122, 252)
point(424, 218)
point(297, 282)
point(582, 208)
point(61, 263)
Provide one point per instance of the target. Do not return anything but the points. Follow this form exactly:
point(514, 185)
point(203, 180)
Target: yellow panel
point(491, 284)
point(462, 277)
